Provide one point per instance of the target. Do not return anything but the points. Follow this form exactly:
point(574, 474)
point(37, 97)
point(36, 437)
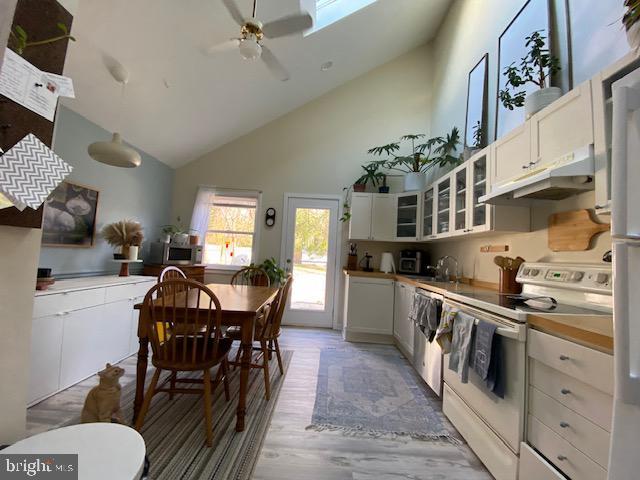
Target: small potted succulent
point(537, 67)
point(630, 22)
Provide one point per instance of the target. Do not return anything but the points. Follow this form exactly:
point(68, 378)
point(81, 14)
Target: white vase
point(539, 99)
point(633, 35)
point(180, 238)
point(414, 181)
point(133, 252)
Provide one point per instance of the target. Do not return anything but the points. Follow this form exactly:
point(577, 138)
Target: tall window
point(229, 227)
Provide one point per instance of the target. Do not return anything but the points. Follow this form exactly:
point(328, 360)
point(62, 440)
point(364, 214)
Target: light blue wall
point(143, 194)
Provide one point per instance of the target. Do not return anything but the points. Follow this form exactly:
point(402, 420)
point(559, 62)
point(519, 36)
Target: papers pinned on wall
point(29, 172)
point(31, 87)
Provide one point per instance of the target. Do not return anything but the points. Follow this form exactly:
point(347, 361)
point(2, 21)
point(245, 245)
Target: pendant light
point(114, 152)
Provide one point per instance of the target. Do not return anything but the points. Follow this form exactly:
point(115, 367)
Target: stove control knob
point(534, 272)
point(577, 276)
point(526, 271)
point(602, 278)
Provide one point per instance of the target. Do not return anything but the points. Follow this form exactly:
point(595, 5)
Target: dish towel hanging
point(486, 357)
point(462, 336)
point(443, 334)
point(425, 313)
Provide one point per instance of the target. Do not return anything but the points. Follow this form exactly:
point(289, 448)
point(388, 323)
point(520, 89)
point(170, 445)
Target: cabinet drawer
point(586, 436)
point(127, 292)
point(574, 394)
point(565, 457)
point(496, 456)
point(534, 467)
point(63, 302)
point(587, 365)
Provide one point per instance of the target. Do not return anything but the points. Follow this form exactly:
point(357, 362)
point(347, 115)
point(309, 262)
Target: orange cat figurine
point(103, 401)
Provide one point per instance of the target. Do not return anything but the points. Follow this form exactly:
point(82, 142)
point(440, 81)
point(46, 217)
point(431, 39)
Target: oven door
point(505, 416)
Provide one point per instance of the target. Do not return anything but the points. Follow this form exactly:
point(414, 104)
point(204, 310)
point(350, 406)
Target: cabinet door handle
point(564, 358)
point(562, 458)
point(565, 391)
point(564, 425)
point(62, 314)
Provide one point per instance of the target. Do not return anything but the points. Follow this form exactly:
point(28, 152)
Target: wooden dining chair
point(170, 272)
point(254, 276)
point(185, 339)
point(266, 335)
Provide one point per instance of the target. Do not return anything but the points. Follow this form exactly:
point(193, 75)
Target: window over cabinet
point(226, 220)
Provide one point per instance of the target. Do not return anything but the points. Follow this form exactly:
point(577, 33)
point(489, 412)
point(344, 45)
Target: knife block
point(507, 283)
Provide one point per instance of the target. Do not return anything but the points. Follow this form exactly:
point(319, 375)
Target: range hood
point(555, 180)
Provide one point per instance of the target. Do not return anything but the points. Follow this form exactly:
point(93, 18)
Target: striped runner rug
point(174, 429)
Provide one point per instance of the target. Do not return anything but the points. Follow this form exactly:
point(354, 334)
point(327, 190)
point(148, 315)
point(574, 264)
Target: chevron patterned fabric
point(30, 171)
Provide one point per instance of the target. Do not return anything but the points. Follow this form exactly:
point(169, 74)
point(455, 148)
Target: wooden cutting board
point(572, 231)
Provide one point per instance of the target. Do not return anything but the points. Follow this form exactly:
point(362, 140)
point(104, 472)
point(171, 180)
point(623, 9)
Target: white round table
point(106, 451)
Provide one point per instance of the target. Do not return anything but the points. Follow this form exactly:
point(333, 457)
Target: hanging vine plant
point(20, 38)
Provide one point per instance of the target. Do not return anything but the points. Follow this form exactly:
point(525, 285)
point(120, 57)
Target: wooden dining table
point(240, 305)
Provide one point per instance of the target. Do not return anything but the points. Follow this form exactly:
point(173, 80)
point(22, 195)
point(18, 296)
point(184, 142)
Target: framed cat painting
point(69, 218)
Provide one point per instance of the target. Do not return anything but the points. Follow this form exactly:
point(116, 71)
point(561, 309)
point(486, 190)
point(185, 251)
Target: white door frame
point(338, 240)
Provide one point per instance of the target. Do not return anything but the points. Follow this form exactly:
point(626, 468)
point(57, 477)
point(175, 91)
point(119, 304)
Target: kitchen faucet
point(442, 272)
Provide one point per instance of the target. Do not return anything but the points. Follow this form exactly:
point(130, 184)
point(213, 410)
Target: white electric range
point(493, 426)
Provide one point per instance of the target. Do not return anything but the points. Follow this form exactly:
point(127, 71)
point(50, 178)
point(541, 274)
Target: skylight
point(331, 11)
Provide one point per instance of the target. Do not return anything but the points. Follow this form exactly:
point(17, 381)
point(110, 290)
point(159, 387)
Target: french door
point(310, 247)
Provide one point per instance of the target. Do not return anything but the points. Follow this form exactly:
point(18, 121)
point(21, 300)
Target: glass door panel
point(407, 219)
point(461, 200)
point(444, 202)
point(427, 215)
point(479, 212)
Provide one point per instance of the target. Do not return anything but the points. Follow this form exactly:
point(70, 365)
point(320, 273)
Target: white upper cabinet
point(428, 213)
point(383, 217)
point(460, 198)
point(408, 216)
point(511, 155)
point(360, 222)
point(479, 213)
point(373, 216)
point(563, 126)
point(443, 206)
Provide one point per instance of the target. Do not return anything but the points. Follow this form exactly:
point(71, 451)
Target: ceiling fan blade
point(234, 11)
point(274, 65)
point(288, 25)
point(231, 44)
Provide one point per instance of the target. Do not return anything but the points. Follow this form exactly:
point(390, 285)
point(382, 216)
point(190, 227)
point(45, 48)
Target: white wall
point(319, 147)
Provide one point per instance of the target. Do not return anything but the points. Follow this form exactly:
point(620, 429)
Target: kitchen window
point(226, 221)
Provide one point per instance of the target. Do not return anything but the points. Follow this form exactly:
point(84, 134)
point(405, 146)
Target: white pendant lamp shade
point(115, 153)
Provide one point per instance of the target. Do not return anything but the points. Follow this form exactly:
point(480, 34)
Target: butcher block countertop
point(594, 331)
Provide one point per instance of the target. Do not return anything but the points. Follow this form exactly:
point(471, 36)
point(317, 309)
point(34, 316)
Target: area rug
point(174, 429)
point(375, 392)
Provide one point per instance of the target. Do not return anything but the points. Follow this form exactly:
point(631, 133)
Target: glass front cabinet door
point(478, 174)
point(460, 203)
point(428, 218)
point(408, 215)
point(443, 206)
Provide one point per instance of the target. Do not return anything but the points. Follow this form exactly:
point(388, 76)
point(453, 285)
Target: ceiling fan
point(253, 32)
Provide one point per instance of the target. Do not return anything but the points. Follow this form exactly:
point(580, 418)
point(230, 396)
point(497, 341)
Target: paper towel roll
point(386, 263)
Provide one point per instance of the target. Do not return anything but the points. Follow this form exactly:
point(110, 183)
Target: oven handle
point(505, 329)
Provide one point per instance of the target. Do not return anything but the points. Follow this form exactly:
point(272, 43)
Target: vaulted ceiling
point(180, 103)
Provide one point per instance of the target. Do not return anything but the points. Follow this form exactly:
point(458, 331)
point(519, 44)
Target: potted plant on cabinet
point(536, 67)
point(424, 156)
point(630, 22)
point(371, 175)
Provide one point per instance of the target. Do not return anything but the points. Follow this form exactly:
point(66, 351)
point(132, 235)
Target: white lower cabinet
point(44, 369)
point(534, 467)
point(82, 345)
point(403, 330)
point(80, 325)
point(368, 309)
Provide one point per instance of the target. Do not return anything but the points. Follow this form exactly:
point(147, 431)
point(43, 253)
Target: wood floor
point(291, 451)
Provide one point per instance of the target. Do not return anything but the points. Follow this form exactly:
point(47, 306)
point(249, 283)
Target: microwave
point(174, 254)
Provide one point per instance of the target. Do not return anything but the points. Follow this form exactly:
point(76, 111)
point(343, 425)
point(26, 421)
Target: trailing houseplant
point(19, 38)
point(537, 67)
point(421, 158)
point(630, 22)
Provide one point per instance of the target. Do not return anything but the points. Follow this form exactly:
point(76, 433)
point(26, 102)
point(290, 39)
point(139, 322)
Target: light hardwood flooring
point(290, 451)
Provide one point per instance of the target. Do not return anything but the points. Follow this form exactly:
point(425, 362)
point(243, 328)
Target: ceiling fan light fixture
point(115, 153)
point(250, 49)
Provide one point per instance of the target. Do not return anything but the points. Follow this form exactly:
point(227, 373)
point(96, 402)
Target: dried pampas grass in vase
point(123, 234)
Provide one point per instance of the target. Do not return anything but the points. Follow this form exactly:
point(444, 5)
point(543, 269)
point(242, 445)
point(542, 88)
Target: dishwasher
point(427, 356)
